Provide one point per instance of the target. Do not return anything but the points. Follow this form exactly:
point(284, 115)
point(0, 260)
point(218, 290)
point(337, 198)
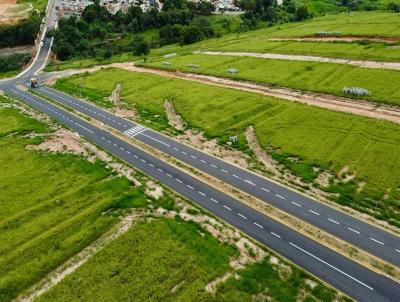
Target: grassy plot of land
point(40, 5)
point(173, 260)
point(356, 50)
point(386, 24)
point(308, 76)
point(314, 137)
point(51, 205)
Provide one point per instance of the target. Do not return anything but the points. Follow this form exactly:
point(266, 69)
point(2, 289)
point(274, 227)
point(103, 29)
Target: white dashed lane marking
point(377, 241)
point(296, 204)
point(260, 226)
point(315, 213)
point(334, 221)
point(228, 208)
point(276, 235)
point(353, 230)
point(244, 217)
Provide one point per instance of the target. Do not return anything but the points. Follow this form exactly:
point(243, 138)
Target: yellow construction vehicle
point(34, 83)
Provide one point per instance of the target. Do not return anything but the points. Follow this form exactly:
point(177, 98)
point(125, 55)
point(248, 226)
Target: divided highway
point(376, 241)
point(337, 270)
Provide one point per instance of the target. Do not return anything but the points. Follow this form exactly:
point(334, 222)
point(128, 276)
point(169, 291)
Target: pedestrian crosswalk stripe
point(135, 130)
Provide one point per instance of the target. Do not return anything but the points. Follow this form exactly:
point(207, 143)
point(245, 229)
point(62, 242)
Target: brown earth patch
point(174, 119)
point(314, 38)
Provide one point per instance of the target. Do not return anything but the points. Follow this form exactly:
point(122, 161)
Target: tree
point(140, 46)
point(171, 5)
point(301, 13)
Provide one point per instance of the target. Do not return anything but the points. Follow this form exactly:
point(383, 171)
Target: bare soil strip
point(338, 39)
point(275, 56)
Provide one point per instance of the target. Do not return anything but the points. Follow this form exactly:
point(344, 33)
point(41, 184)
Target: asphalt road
point(376, 241)
point(342, 273)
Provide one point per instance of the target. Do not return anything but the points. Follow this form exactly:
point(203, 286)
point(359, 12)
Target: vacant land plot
point(10, 12)
point(299, 136)
point(178, 267)
point(371, 24)
point(51, 205)
point(307, 76)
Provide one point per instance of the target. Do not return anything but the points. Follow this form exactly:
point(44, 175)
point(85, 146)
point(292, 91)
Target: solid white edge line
point(154, 139)
point(331, 266)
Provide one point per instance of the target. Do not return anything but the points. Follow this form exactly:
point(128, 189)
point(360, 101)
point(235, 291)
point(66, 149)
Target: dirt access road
point(330, 102)
point(275, 56)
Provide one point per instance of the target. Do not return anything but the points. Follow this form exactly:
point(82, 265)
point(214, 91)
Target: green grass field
point(54, 205)
point(321, 138)
point(40, 5)
point(51, 205)
point(307, 76)
point(176, 268)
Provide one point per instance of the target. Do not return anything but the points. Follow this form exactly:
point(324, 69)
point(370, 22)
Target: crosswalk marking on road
point(135, 130)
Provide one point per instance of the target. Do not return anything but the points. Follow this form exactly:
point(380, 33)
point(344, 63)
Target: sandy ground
point(7, 16)
point(275, 56)
point(18, 49)
point(335, 103)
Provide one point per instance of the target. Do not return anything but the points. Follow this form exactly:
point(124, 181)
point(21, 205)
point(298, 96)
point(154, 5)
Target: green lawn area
point(51, 205)
point(40, 5)
point(307, 76)
point(177, 268)
point(318, 137)
point(375, 23)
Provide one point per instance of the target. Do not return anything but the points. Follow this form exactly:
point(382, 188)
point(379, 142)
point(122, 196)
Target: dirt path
point(274, 56)
point(340, 104)
point(338, 39)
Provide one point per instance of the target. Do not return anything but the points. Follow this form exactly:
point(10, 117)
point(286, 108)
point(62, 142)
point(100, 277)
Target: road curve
point(337, 270)
point(376, 241)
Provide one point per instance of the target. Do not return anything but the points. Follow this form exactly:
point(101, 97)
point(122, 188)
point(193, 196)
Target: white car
point(41, 44)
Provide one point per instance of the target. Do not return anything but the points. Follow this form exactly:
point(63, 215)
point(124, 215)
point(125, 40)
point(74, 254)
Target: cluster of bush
point(21, 33)
point(356, 91)
point(14, 62)
point(99, 33)
point(269, 11)
point(394, 7)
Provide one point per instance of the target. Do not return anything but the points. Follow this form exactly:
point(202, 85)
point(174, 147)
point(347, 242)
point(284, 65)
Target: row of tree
point(14, 62)
point(101, 34)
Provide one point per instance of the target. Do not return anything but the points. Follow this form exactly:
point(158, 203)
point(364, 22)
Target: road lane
point(363, 235)
point(342, 273)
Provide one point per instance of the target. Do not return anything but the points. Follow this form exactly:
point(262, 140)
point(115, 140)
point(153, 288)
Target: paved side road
point(342, 273)
point(363, 235)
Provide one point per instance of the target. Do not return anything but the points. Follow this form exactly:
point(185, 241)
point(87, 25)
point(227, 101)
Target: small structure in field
point(328, 33)
point(357, 91)
point(233, 139)
point(232, 70)
point(194, 66)
point(170, 55)
point(167, 63)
